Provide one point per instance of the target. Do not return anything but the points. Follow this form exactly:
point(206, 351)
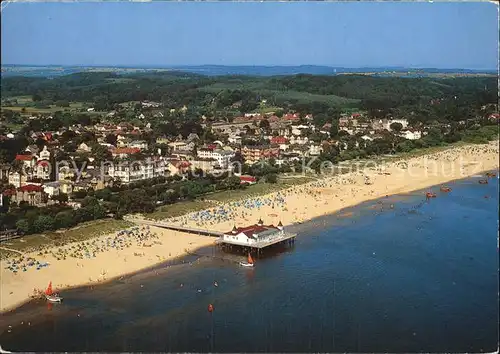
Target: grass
point(82, 232)
point(262, 88)
point(259, 188)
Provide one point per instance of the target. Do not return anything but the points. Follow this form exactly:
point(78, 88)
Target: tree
point(43, 223)
point(111, 139)
point(271, 178)
point(396, 126)
point(36, 97)
point(264, 124)
point(24, 226)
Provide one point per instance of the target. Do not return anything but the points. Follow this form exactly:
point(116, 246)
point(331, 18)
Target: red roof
point(249, 179)
point(279, 140)
point(9, 192)
point(42, 163)
point(24, 157)
point(30, 188)
point(128, 151)
point(253, 229)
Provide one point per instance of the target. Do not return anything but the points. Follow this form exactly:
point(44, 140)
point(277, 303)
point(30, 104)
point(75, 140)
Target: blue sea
point(399, 274)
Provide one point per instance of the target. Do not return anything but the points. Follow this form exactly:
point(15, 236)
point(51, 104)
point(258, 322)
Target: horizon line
point(175, 66)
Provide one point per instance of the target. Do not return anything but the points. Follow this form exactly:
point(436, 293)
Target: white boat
point(51, 296)
point(248, 263)
point(3, 350)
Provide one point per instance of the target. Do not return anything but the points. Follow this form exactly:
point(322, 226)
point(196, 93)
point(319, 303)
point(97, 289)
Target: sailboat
point(248, 263)
point(50, 295)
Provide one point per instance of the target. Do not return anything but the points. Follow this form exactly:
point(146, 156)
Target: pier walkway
point(166, 225)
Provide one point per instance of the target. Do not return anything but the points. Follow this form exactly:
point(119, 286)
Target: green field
point(303, 97)
point(81, 232)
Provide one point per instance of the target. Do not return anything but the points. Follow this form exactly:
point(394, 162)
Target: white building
point(411, 135)
point(139, 170)
point(52, 188)
point(253, 234)
point(222, 157)
point(139, 144)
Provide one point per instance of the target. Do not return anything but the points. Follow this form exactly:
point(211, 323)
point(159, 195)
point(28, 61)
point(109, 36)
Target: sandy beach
point(112, 256)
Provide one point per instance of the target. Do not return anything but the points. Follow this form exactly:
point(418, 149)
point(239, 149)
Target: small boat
point(50, 295)
point(3, 350)
point(445, 189)
point(430, 195)
point(483, 181)
point(491, 174)
point(248, 263)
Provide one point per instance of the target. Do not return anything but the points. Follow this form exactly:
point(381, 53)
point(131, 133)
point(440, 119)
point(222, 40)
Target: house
point(31, 194)
point(4, 171)
point(44, 154)
point(315, 150)
point(83, 148)
point(411, 134)
point(42, 169)
point(139, 144)
point(52, 188)
point(178, 145)
point(32, 149)
point(234, 139)
point(124, 152)
point(248, 180)
point(207, 165)
point(29, 161)
point(281, 141)
point(128, 172)
point(17, 179)
point(222, 157)
point(252, 234)
point(252, 154)
point(178, 167)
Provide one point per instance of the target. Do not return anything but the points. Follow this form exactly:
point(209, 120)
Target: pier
point(251, 238)
point(191, 230)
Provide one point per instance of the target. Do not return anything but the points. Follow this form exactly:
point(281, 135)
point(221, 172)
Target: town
point(89, 168)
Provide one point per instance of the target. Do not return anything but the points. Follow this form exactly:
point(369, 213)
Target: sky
point(342, 34)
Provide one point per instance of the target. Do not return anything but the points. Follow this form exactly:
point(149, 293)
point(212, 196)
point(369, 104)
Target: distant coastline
point(247, 70)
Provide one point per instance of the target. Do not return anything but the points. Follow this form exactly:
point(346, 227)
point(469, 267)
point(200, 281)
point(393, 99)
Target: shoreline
point(294, 194)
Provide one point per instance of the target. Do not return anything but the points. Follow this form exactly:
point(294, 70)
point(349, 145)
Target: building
point(252, 154)
point(17, 179)
point(248, 180)
point(256, 236)
point(138, 144)
point(207, 165)
point(411, 135)
point(124, 152)
point(29, 161)
point(31, 194)
point(128, 172)
point(52, 188)
point(222, 157)
point(42, 169)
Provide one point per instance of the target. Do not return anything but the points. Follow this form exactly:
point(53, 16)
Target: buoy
point(210, 308)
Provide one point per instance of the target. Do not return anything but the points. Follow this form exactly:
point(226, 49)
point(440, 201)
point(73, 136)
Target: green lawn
point(81, 232)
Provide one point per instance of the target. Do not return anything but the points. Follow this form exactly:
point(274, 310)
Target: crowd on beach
point(140, 236)
point(229, 211)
